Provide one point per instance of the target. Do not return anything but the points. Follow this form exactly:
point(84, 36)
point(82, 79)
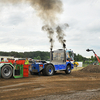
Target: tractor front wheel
point(68, 70)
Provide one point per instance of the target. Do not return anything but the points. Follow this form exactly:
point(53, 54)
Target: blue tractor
point(60, 60)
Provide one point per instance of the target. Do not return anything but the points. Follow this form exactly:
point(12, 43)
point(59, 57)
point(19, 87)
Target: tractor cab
point(60, 56)
point(69, 55)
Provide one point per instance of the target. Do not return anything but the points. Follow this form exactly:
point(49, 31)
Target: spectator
point(2, 60)
point(26, 61)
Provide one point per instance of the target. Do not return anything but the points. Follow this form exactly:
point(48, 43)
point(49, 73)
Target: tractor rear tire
point(6, 71)
point(48, 70)
point(68, 70)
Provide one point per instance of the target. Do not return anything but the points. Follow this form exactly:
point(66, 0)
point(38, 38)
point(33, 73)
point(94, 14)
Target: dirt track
point(78, 86)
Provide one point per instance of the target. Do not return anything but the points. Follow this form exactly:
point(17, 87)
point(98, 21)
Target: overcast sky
point(20, 27)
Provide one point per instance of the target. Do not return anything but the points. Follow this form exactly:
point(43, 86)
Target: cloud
point(94, 26)
point(20, 27)
point(15, 19)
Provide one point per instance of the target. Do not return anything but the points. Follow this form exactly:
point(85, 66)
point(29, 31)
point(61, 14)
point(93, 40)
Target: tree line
point(85, 60)
point(34, 54)
point(45, 56)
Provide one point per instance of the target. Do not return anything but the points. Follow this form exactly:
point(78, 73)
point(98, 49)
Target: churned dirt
point(83, 84)
point(91, 69)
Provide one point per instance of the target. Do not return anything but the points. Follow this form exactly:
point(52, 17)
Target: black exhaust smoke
point(61, 34)
point(50, 33)
point(47, 10)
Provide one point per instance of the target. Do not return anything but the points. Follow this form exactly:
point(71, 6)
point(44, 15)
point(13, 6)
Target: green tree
point(38, 57)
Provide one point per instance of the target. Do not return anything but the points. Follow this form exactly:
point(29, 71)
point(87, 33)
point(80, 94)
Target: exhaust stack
point(50, 54)
point(64, 46)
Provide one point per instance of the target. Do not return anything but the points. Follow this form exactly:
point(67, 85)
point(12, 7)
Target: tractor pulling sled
point(12, 68)
point(60, 60)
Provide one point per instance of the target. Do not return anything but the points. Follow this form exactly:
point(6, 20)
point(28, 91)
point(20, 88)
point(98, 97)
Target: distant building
point(6, 57)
